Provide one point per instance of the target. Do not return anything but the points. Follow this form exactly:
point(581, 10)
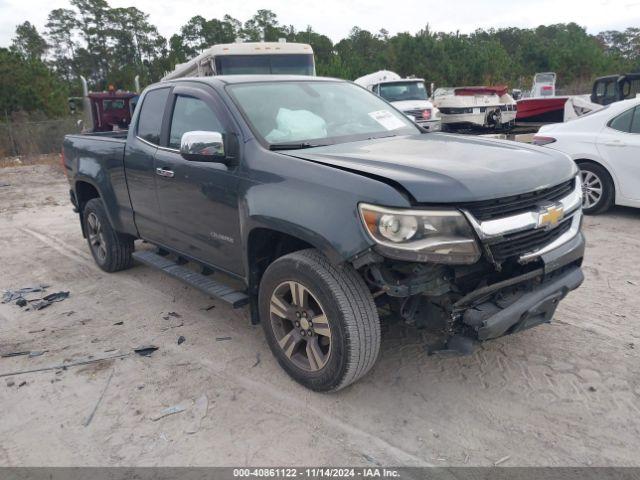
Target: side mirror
point(203, 146)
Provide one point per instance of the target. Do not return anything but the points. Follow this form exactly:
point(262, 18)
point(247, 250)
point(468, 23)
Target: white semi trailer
point(249, 58)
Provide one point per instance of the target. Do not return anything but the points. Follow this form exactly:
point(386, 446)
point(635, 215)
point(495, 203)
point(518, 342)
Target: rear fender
point(99, 163)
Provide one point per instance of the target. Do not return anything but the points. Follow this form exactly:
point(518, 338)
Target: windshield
point(288, 64)
point(109, 105)
point(398, 91)
point(444, 92)
point(544, 78)
point(317, 113)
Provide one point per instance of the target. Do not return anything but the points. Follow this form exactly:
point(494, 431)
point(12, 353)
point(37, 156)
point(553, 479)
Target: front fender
point(313, 202)
point(300, 232)
point(327, 222)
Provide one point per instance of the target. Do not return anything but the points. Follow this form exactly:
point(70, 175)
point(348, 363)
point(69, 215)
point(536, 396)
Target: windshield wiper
point(293, 146)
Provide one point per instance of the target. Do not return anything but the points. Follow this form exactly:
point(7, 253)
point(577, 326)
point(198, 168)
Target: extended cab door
point(142, 145)
point(619, 144)
point(199, 200)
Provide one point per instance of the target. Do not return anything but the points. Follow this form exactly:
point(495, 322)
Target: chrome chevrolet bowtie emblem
point(549, 216)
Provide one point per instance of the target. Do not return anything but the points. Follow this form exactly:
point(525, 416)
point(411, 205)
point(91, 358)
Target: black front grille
point(517, 244)
point(526, 202)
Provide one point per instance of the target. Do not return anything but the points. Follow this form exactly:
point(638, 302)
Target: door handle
point(164, 172)
point(615, 143)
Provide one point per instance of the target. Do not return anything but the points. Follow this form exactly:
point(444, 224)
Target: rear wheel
point(320, 320)
point(111, 250)
point(597, 188)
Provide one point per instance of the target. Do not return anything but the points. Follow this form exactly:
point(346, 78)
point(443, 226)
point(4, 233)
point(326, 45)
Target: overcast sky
point(336, 17)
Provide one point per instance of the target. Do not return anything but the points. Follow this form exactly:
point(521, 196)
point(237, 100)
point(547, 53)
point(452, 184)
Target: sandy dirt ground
point(567, 393)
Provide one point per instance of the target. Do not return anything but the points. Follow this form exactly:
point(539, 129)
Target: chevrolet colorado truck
point(330, 211)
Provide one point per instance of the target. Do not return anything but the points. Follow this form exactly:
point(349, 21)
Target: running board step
point(203, 283)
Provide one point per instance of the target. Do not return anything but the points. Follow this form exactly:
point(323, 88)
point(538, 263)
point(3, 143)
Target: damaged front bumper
point(526, 269)
point(434, 298)
point(524, 302)
point(527, 309)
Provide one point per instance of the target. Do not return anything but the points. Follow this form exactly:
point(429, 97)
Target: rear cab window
point(151, 114)
point(290, 64)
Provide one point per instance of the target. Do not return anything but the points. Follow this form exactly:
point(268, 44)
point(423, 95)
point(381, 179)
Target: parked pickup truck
point(331, 210)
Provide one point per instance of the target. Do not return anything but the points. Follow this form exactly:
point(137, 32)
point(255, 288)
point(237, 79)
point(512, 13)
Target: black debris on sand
point(145, 351)
point(19, 297)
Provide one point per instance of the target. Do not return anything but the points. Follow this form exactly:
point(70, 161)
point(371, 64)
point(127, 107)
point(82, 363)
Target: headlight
point(439, 236)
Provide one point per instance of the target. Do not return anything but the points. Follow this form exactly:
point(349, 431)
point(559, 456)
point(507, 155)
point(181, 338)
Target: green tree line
point(113, 45)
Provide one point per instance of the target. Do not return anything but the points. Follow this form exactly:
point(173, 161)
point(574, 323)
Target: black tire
point(607, 197)
point(112, 250)
point(349, 310)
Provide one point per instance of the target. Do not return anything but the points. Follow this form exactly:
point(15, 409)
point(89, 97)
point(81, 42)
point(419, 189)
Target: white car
point(606, 146)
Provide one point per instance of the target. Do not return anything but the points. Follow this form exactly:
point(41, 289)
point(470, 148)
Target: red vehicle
point(112, 110)
point(108, 111)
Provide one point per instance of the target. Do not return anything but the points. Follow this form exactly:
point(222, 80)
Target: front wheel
point(320, 320)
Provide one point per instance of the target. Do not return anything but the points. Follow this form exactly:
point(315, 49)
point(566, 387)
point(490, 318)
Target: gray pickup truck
point(330, 211)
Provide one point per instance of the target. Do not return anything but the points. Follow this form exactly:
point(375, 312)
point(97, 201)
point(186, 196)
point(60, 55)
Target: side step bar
point(203, 283)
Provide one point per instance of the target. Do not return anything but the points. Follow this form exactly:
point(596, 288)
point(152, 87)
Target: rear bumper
point(519, 306)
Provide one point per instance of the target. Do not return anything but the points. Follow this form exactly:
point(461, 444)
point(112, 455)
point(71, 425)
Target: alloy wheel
point(591, 189)
point(300, 326)
point(96, 236)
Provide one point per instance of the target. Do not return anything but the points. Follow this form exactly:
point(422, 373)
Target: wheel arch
point(265, 244)
point(84, 190)
point(120, 216)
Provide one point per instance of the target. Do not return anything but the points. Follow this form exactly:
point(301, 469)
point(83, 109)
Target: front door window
point(191, 114)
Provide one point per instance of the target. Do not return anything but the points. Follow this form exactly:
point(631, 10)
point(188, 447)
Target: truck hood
point(446, 168)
